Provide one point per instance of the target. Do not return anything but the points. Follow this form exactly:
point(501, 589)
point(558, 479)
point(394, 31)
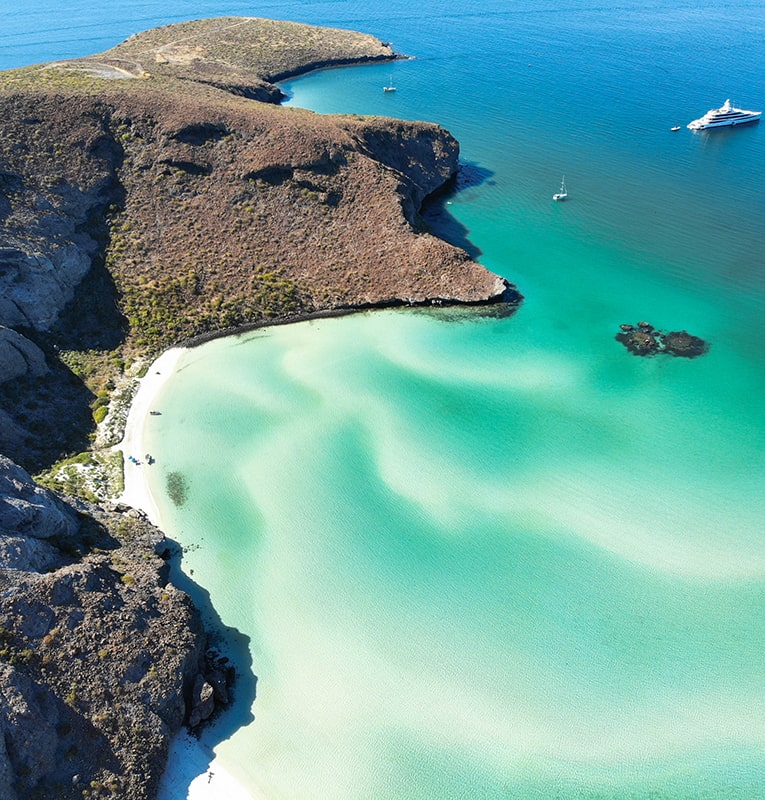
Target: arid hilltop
point(150, 194)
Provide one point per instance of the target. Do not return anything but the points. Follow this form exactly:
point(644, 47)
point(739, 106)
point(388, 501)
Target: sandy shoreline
point(193, 774)
point(136, 492)
point(192, 771)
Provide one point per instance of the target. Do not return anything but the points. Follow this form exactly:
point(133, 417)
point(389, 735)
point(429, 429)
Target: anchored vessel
point(727, 115)
point(562, 194)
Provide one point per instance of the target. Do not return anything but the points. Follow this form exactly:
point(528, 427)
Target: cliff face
point(228, 211)
point(210, 210)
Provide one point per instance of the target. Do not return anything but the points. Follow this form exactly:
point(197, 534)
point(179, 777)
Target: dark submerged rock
point(682, 343)
point(639, 341)
point(645, 340)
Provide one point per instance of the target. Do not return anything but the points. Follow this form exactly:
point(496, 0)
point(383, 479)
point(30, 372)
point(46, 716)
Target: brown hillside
point(142, 206)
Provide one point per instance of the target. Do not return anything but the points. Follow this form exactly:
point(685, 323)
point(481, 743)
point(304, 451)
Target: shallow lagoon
point(463, 558)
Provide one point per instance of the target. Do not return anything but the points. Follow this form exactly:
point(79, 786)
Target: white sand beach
point(194, 774)
point(192, 770)
point(136, 491)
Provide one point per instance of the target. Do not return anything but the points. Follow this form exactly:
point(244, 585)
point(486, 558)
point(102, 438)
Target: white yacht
point(562, 194)
point(727, 115)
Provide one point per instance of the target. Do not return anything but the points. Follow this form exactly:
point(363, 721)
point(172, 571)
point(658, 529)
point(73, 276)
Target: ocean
point(475, 557)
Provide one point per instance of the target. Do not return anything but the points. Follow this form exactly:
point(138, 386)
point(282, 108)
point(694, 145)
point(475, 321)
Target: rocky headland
point(101, 658)
point(148, 195)
point(145, 199)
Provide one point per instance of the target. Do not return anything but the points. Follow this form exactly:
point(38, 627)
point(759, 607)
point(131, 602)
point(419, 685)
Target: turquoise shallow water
point(458, 567)
point(501, 558)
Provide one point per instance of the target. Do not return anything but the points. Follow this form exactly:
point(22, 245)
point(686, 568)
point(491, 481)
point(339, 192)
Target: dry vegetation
point(206, 210)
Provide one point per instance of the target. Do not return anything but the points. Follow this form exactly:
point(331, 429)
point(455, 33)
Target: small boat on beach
point(562, 194)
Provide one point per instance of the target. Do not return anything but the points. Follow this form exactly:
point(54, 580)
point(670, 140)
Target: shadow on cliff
point(229, 642)
point(55, 411)
point(435, 209)
point(52, 412)
point(92, 319)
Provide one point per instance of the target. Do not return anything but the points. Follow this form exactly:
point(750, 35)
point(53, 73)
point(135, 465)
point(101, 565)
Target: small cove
point(505, 557)
point(500, 558)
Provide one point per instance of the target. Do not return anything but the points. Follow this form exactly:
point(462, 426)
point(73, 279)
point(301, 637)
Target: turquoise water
point(501, 558)
point(460, 569)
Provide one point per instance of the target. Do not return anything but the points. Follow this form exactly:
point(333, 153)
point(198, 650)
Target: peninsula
point(151, 194)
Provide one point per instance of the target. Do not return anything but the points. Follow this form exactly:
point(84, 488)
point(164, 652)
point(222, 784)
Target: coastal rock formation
point(19, 356)
point(146, 211)
point(99, 655)
point(241, 55)
point(682, 343)
point(39, 276)
point(645, 340)
point(210, 210)
point(28, 510)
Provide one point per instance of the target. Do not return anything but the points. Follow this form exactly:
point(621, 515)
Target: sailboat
point(562, 194)
point(390, 87)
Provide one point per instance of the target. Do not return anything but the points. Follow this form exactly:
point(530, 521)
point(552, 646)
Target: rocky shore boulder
point(29, 510)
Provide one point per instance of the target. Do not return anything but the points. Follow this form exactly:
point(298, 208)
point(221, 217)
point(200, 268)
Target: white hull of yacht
point(724, 117)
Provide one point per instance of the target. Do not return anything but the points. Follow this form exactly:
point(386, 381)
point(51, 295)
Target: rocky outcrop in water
point(645, 340)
